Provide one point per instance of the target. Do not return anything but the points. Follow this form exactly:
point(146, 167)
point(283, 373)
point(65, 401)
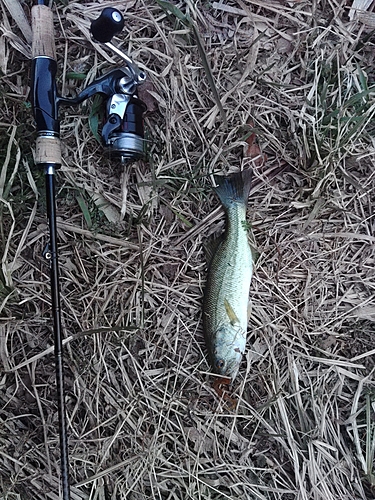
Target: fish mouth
point(229, 370)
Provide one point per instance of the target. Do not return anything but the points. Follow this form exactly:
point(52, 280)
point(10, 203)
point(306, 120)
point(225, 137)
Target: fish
point(226, 296)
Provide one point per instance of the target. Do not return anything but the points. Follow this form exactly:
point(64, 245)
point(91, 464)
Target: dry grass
point(144, 422)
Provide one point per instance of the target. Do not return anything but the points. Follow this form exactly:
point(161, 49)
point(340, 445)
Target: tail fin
point(235, 188)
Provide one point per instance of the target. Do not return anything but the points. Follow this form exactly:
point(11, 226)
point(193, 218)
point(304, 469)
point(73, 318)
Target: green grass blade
point(95, 117)
point(85, 210)
point(175, 11)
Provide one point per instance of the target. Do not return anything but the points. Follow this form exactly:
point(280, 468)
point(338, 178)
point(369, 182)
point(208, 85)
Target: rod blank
point(48, 156)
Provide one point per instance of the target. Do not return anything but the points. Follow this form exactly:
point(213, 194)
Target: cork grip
point(48, 150)
point(43, 34)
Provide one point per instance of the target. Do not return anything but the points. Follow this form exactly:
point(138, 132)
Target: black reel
point(123, 132)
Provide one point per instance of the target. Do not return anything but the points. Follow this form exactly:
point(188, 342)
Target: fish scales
point(226, 297)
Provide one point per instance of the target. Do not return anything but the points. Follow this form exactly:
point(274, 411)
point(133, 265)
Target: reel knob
point(109, 23)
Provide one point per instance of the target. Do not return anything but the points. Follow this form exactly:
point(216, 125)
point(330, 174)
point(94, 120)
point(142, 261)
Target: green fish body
point(226, 297)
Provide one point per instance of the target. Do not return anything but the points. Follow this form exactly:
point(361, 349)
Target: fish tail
point(234, 188)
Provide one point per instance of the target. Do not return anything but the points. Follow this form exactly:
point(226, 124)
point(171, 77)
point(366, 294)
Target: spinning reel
point(122, 132)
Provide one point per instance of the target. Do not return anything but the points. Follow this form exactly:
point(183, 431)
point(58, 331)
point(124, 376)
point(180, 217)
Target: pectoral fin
point(231, 314)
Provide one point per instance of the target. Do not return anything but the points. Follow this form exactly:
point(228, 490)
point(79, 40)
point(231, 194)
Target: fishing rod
point(122, 136)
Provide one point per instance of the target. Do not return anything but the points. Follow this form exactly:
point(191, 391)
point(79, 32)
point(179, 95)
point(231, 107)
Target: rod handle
point(43, 44)
point(109, 23)
point(48, 151)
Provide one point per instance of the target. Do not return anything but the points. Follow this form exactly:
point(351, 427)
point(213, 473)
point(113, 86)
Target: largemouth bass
point(227, 290)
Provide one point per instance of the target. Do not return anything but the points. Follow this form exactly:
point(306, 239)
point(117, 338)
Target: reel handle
point(109, 23)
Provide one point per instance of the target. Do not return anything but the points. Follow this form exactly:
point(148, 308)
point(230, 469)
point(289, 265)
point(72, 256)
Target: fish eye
point(220, 363)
